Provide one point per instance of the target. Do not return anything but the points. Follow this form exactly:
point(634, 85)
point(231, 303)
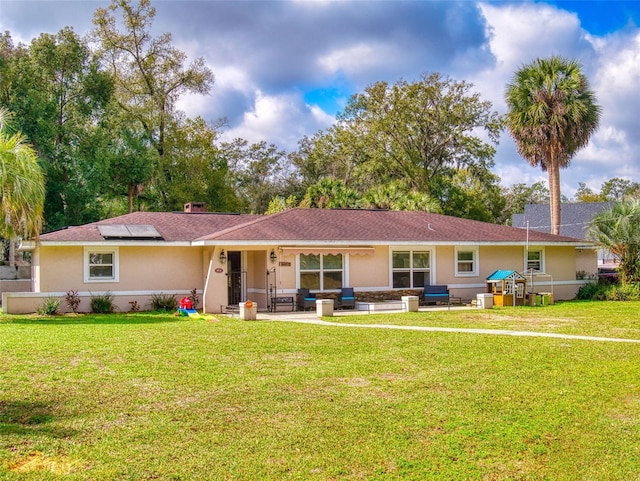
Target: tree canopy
point(417, 135)
point(60, 99)
point(150, 77)
point(102, 118)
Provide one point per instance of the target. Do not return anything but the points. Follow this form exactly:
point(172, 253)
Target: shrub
point(623, 292)
point(592, 291)
point(72, 299)
point(195, 300)
point(49, 307)
point(102, 304)
point(164, 302)
point(605, 291)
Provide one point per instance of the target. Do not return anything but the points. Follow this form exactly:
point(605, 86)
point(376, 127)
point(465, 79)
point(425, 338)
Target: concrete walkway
point(311, 317)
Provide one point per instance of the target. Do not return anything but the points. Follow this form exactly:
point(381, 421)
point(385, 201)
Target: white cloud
point(350, 60)
point(520, 33)
point(267, 55)
point(617, 78)
point(320, 116)
point(279, 119)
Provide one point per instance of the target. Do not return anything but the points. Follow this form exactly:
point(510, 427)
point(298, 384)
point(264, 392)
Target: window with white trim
point(100, 265)
point(535, 260)
point(466, 261)
point(321, 272)
point(410, 269)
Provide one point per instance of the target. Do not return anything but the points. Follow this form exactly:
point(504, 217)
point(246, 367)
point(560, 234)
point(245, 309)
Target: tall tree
point(21, 184)
point(552, 114)
point(198, 170)
point(416, 131)
point(472, 195)
point(131, 165)
point(418, 134)
point(519, 195)
point(618, 189)
point(258, 173)
point(150, 73)
point(60, 99)
point(584, 193)
point(618, 229)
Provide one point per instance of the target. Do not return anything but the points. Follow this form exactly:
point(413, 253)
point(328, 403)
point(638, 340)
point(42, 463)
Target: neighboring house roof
point(574, 218)
point(300, 226)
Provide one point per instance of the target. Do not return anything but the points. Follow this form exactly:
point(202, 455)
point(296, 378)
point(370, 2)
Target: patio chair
point(347, 298)
point(306, 299)
point(436, 293)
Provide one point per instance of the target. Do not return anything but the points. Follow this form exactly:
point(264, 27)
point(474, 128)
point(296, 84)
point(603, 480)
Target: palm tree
point(552, 114)
point(21, 184)
point(329, 193)
point(397, 196)
point(618, 229)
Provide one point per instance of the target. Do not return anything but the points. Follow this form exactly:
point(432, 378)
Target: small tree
point(618, 229)
point(21, 184)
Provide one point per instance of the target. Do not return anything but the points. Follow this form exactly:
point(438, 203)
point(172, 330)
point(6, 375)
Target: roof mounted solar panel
point(144, 231)
point(129, 231)
point(113, 231)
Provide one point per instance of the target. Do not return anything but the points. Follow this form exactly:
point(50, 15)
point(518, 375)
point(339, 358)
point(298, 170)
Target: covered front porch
point(235, 275)
point(270, 275)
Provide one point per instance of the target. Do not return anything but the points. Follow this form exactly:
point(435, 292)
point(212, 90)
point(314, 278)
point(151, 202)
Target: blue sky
point(285, 68)
point(600, 17)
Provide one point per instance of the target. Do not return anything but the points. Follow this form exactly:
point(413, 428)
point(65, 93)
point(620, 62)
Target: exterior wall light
point(223, 258)
point(273, 256)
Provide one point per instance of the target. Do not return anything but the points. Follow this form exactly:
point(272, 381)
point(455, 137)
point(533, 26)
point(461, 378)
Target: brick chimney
point(195, 207)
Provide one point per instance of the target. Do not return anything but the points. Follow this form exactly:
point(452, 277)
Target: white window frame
point(322, 270)
point(114, 251)
point(542, 266)
point(411, 250)
point(475, 261)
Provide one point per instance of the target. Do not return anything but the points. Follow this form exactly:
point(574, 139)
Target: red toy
point(185, 303)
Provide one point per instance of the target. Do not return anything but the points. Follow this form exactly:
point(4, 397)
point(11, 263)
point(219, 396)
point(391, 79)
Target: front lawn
point(587, 318)
point(147, 396)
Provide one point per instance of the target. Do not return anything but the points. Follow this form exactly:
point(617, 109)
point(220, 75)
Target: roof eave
point(119, 243)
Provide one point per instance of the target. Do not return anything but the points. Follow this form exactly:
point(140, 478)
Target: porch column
point(214, 295)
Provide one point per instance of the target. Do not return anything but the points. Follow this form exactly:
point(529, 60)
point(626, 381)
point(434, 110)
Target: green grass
point(608, 319)
point(150, 396)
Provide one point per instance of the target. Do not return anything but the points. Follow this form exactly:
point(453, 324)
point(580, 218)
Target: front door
point(234, 273)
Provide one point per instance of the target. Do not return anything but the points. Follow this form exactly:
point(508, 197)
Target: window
point(100, 265)
point(466, 261)
point(410, 269)
point(534, 260)
point(321, 271)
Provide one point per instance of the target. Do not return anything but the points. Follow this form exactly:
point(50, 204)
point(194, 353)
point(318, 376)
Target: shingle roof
point(312, 225)
point(348, 225)
point(574, 218)
point(172, 226)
